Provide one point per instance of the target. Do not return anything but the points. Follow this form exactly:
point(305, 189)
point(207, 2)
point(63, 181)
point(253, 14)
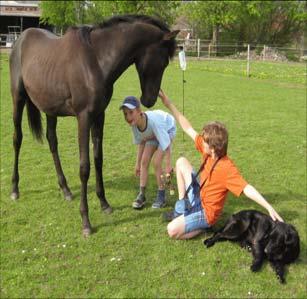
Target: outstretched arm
point(253, 194)
point(180, 118)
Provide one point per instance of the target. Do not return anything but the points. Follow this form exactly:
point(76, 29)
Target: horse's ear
point(170, 35)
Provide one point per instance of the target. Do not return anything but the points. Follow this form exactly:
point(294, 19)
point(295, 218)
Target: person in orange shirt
point(202, 199)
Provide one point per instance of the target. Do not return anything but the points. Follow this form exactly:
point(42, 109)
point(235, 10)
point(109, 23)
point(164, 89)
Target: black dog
point(278, 241)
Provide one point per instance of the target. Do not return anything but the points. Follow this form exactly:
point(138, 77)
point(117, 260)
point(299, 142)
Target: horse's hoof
point(68, 197)
point(86, 232)
point(108, 210)
point(14, 195)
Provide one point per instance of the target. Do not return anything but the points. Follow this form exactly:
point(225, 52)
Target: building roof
point(20, 8)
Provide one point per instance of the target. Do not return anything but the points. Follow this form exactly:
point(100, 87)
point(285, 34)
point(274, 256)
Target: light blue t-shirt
point(160, 124)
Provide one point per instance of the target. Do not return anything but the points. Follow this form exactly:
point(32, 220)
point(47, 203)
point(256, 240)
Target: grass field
point(43, 253)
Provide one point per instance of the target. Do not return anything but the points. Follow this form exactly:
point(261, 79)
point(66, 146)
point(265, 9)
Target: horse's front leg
point(97, 138)
point(53, 145)
point(83, 136)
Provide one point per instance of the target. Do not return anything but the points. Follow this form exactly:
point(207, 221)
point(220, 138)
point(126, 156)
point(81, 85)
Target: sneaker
point(168, 216)
point(139, 201)
point(160, 202)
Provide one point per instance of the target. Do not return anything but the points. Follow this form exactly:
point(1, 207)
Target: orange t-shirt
point(225, 177)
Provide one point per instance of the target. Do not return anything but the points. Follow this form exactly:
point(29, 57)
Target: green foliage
point(65, 13)
point(257, 22)
point(210, 15)
point(269, 22)
point(43, 254)
point(59, 13)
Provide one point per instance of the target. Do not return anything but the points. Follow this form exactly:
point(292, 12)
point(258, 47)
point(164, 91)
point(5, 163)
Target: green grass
point(43, 253)
point(281, 72)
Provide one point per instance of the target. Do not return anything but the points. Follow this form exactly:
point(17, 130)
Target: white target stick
point(183, 66)
point(182, 61)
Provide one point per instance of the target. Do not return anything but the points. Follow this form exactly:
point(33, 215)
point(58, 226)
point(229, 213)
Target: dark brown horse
point(74, 75)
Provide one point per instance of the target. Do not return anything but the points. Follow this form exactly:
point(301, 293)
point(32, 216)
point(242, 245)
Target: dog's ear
point(244, 224)
point(291, 235)
point(289, 239)
point(292, 239)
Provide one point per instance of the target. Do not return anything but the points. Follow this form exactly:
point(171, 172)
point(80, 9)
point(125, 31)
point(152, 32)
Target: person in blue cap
point(153, 132)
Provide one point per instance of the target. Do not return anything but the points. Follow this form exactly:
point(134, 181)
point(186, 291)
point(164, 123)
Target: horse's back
point(32, 43)
point(56, 70)
point(35, 42)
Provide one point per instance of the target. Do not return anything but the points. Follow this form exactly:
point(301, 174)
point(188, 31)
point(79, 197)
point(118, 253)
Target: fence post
point(209, 50)
point(248, 59)
point(264, 48)
point(198, 48)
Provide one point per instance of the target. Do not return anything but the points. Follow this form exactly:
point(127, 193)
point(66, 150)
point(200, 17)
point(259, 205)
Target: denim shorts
point(194, 216)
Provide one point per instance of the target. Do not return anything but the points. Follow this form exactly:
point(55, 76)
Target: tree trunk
point(215, 39)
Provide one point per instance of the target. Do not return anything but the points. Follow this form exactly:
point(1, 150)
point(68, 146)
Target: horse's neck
point(117, 49)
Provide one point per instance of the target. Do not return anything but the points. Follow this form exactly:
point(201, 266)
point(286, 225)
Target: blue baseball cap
point(130, 102)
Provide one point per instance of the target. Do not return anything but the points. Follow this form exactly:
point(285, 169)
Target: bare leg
point(97, 136)
point(168, 175)
point(168, 159)
point(157, 163)
point(146, 158)
point(19, 104)
point(53, 145)
point(183, 175)
point(83, 133)
point(176, 229)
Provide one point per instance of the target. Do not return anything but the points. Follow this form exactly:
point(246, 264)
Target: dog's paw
point(209, 242)
point(255, 267)
point(281, 279)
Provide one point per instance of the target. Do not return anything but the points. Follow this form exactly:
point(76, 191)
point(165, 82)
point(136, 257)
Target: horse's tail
point(18, 89)
point(34, 120)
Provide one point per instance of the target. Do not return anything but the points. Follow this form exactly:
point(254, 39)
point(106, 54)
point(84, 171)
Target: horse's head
point(151, 64)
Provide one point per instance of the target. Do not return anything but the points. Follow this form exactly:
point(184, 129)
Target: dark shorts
point(191, 208)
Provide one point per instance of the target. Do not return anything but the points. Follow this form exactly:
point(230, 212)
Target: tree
point(269, 22)
point(256, 22)
point(100, 10)
point(62, 13)
point(66, 13)
point(212, 15)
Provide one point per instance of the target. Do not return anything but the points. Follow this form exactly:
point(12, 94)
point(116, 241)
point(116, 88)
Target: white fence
point(201, 48)
point(7, 40)
point(204, 49)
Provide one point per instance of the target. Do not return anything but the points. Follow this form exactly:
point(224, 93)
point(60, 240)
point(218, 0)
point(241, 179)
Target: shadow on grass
point(125, 183)
point(140, 214)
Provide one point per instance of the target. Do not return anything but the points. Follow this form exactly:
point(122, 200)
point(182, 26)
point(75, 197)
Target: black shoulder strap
point(197, 174)
point(213, 166)
point(195, 177)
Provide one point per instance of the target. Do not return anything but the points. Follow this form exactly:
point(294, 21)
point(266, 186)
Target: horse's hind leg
point(18, 106)
point(53, 145)
point(97, 136)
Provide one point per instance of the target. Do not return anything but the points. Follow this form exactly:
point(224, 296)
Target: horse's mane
point(134, 18)
point(84, 31)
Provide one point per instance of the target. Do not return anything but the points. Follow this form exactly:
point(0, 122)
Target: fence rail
point(205, 49)
point(7, 40)
point(202, 48)
point(224, 54)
